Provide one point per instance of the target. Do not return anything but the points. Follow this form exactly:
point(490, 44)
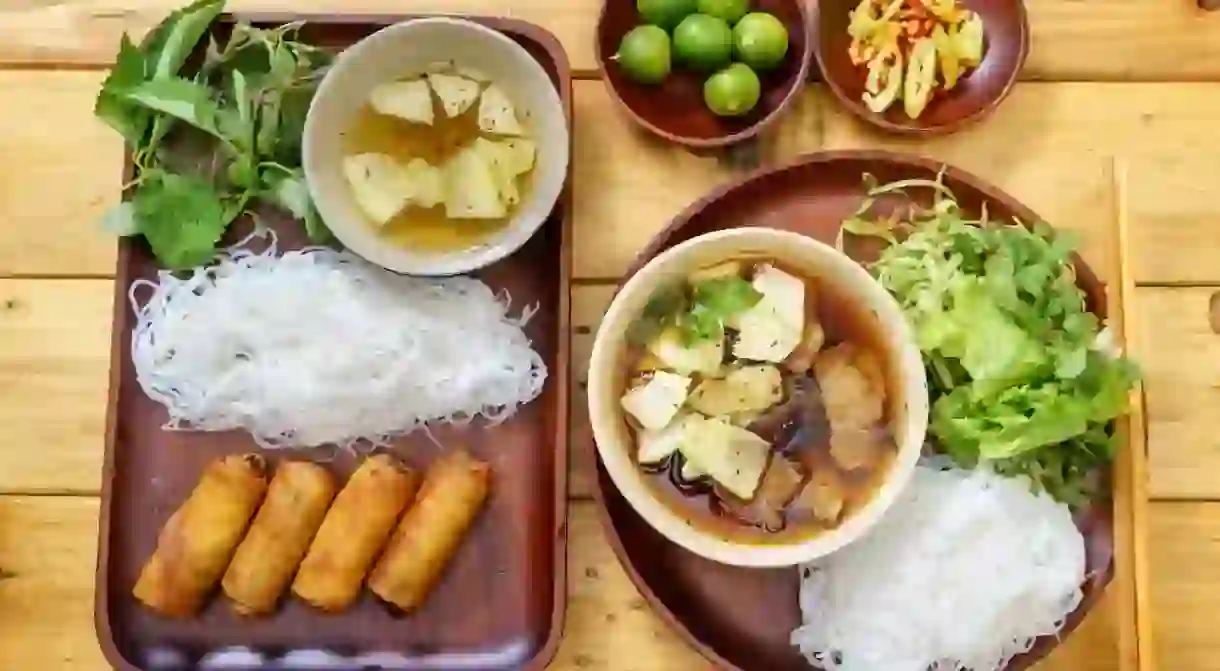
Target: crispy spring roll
point(355, 530)
point(297, 500)
point(197, 542)
point(454, 490)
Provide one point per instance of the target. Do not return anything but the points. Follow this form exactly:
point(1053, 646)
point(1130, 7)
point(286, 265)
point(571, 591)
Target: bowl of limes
point(704, 73)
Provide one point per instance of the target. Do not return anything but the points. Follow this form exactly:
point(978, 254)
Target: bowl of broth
point(757, 397)
point(435, 146)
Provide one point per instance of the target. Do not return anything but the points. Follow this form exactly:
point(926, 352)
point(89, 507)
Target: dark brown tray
point(501, 604)
point(741, 618)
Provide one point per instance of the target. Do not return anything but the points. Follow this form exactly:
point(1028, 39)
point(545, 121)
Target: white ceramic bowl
point(814, 259)
point(408, 48)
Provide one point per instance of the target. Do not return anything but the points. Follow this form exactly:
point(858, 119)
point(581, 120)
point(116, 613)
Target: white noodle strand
point(964, 572)
point(318, 347)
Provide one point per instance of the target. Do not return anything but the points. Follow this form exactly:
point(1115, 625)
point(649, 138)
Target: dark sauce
point(799, 432)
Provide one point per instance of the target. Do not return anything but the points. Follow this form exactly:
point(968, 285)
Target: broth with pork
point(758, 402)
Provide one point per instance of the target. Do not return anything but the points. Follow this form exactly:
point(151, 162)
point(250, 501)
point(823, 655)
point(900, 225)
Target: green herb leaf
point(169, 44)
point(121, 220)
point(663, 310)
point(268, 124)
point(182, 99)
point(701, 323)
point(283, 64)
point(726, 297)
point(290, 126)
point(290, 192)
point(1013, 354)
point(241, 99)
point(123, 116)
point(182, 217)
point(249, 97)
point(715, 302)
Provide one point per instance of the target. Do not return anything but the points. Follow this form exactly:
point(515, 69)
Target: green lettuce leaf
point(1018, 376)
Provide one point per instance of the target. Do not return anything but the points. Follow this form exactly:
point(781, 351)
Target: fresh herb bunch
point(1022, 375)
point(698, 315)
point(244, 109)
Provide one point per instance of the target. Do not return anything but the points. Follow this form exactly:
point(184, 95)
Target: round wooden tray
point(741, 618)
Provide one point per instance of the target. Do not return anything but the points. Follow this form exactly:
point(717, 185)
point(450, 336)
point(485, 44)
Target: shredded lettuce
point(1016, 363)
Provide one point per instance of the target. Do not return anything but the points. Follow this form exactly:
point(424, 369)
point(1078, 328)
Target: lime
point(664, 13)
point(644, 54)
point(729, 10)
point(760, 40)
point(703, 42)
point(733, 91)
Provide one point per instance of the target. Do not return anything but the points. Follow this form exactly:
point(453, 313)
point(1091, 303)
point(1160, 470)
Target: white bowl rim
point(627, 479)
point(525, 223)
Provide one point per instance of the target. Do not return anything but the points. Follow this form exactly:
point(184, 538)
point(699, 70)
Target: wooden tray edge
point(1131, 498)
point(558, 54)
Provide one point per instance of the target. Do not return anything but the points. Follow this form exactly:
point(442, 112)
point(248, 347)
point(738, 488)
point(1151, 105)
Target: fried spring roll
point(195, 545)
point(454, 490)
point(355, 530)
point(263, 566)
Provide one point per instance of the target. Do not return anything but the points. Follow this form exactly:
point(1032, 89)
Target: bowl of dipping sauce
point(436, 146)
point(757, 397)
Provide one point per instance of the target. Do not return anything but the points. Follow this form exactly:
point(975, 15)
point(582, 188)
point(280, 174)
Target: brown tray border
point(562, 374)
point(1097, 290)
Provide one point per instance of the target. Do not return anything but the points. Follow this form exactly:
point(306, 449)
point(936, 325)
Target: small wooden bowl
point(1006, 31)
point(674, 109)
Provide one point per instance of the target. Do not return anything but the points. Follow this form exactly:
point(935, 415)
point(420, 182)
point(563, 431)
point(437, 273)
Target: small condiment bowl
point(834, 271)
point(1006, 45)
point(405, 49)
point(674, 109)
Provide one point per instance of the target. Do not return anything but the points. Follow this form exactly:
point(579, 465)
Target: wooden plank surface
point(1181, 368)
point(54, 362)
point(47, 547)
point(1072, 39)
point(59, 171)
point(1174, 212)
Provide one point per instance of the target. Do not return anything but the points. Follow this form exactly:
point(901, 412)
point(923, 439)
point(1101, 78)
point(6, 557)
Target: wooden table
point(1113, 134)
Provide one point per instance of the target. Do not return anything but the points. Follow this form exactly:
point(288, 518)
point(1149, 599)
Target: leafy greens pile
point(1020, 370)
point(243, 110)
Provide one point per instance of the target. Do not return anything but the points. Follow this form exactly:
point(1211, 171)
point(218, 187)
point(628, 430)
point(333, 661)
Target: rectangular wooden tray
point(501, 604)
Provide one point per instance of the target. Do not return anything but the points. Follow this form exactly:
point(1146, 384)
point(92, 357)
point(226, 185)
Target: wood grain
point(47, 551)
point(54, 359)
point(60, 171)
point(1181, 367)
point(47, 547)
point(1174, 211)
point(1184, 541)
point(1073, 39)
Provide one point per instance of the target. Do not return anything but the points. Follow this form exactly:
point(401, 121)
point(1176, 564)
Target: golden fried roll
point(297, 500)
point(195, 545)
point(454, 490)
point(355, 530)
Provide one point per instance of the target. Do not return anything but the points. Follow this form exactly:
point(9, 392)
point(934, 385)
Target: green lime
point(703, 42)
point(733, 91)
point(664, 13)
point(760, 40)
point(729, 10)
point(644, 54)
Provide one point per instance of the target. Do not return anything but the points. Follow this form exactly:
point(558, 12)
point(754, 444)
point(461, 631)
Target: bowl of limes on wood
point(704, 73)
